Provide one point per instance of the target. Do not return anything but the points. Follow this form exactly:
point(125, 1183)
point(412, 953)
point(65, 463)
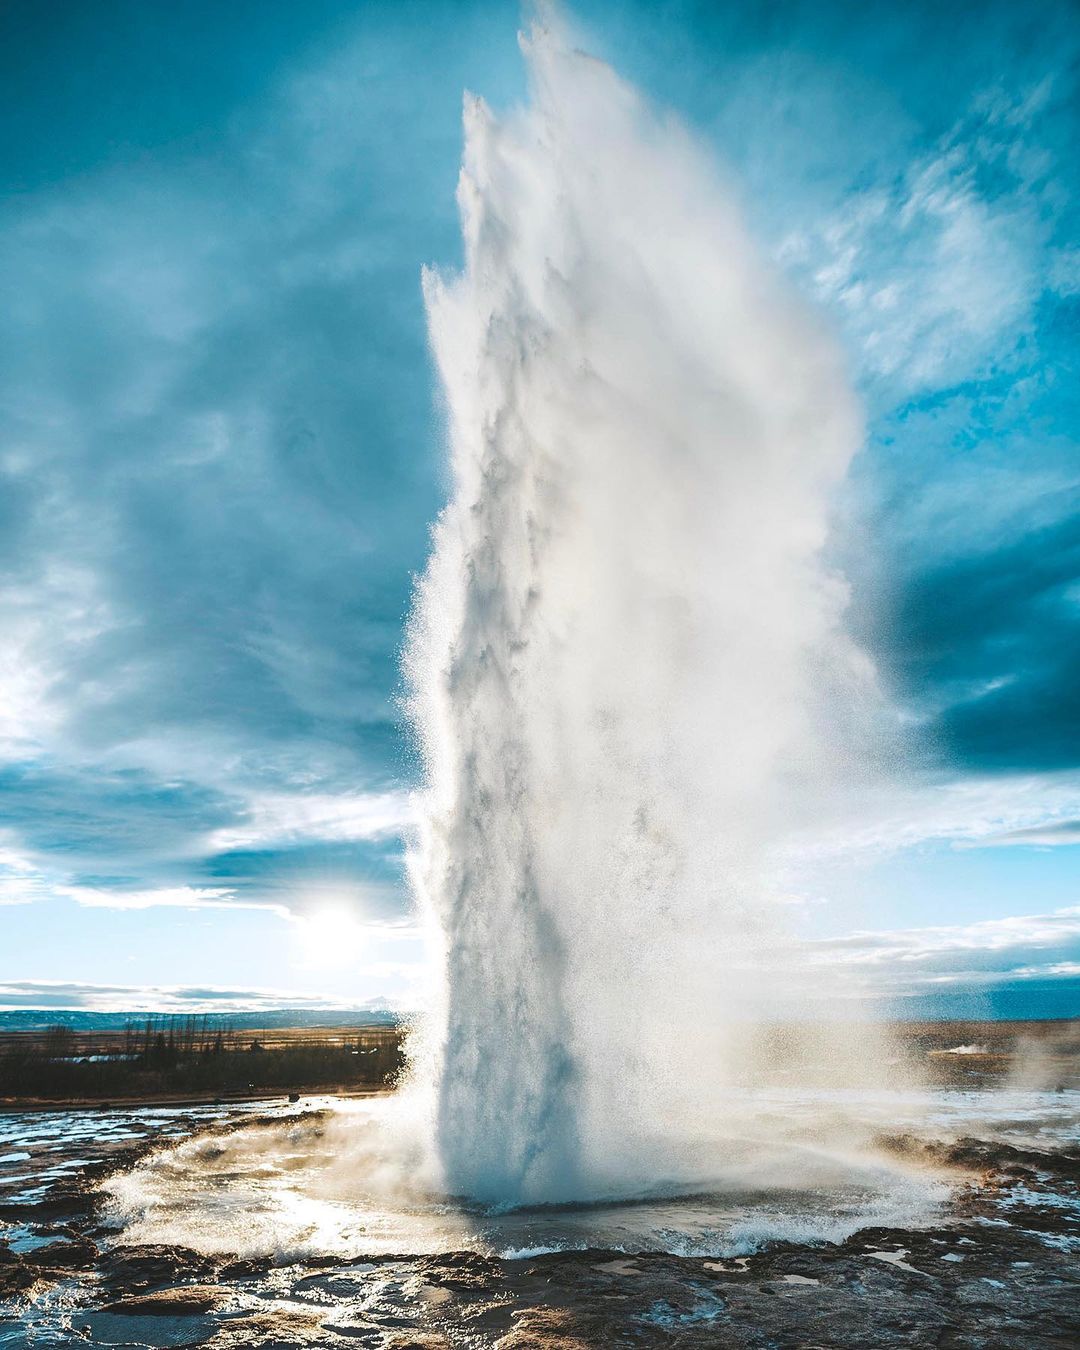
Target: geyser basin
point(345, 1184)
point(995, 1262)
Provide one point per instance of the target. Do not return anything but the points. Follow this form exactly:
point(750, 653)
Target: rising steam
point(628, 672)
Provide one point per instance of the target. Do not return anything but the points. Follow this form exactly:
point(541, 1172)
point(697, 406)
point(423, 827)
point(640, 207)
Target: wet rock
point(186, 1301)
point(135, 1269)
point(462, 1270)
point(59, 1201)
point(16, 1278)
point(416, 1340)
point(285, 1329)
point(622, 1266)
point(987, 1157)
point(244, 1270)
point(1013, 1220)
point(545, 1329)
point(366, 1333)
point(69, 1255)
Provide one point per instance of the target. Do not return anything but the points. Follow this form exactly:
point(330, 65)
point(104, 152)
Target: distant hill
point(32, 1019)
point(1027, 1000)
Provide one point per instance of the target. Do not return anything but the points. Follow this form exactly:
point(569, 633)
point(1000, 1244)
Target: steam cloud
point(628, 669)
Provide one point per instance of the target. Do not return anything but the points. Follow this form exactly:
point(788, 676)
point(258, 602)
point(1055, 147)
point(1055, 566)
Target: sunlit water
point(335, 1186)
point(41, 1149)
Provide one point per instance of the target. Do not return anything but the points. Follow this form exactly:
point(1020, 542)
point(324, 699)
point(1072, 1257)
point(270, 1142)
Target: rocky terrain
point(1000, 1270)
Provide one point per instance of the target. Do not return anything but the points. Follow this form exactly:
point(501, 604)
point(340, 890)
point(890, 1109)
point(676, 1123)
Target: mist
point(630, 678)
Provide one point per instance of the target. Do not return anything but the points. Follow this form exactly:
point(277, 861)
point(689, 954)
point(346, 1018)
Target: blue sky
point(220, 456)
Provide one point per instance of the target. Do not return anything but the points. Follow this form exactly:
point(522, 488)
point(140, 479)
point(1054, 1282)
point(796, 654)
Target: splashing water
point(628, 671)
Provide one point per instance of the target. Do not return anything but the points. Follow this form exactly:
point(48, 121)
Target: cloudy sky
point(220, 454)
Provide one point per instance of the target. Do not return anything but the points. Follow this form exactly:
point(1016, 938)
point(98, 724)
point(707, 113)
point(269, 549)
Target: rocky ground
point(1000, 1271)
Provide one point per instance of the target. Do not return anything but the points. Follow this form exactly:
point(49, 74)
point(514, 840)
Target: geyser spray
point(627, 664)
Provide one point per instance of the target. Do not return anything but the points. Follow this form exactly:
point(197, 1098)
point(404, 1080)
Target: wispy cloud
point(970, 812)
point(1052, 834)
point(898, 962)
point(933, 271)
point(58, 994)
point(280, 819)
point(170, 897)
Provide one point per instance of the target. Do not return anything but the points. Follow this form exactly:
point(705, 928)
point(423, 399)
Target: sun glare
point(330, 936)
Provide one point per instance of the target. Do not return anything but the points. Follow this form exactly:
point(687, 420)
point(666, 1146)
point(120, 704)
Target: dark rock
point(462, 1270)
point(16, 1278)
point(139, 1268)
point(244, 1270)
point(415, 1340)
point(547, 1329)
point(186, 1301)
point(67, 1255)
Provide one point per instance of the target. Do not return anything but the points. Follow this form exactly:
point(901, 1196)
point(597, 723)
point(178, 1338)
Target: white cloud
point(20, 881)
point(1065, 271)
point(171, 897)
point(1049, 834)
point(901, 961)
point(916, 944)
point(986, 812)
point(43, 625)
point(283, 818)
point(929, 271)
point(58, 994)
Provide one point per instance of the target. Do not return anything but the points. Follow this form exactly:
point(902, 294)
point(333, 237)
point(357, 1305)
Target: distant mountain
point(1027, 1000)
point(375, 1014)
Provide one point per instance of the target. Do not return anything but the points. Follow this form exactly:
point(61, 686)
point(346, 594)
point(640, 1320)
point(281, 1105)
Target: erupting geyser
point(628, 671)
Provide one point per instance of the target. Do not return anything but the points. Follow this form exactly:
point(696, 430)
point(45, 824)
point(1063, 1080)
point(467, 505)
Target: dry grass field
point(192, 1059)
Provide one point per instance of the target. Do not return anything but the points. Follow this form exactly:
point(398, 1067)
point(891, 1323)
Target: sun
point(330, 936)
